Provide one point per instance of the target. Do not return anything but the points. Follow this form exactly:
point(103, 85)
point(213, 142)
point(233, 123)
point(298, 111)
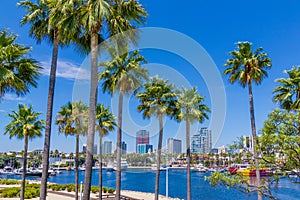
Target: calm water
point(143, 180)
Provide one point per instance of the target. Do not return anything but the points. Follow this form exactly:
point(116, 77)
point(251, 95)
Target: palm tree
point(93, 16)
point(123, 74)
point(24, 123)
point(158, 99)
point(246, 67)
point(105, 123)
point(191, 110)
point(71, 121)
point(288, 93)
point(17, 72)
point(42, 28)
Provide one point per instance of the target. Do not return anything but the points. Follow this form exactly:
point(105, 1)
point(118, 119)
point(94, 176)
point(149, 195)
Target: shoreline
point(61, 195)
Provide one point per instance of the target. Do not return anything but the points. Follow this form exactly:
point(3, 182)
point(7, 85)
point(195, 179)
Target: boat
point(200, 168)
point(237, 168)
point(252, 172)
point(7, 170)
point(29, 172)
point(162, 168)
point(124, 165)
point(82, 168)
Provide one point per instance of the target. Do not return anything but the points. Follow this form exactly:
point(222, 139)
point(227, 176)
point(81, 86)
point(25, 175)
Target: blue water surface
point(144, 180)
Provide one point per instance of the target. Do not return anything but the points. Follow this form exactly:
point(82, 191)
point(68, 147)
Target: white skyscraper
point(174, 146)
point(202, 142)
point(107, 147)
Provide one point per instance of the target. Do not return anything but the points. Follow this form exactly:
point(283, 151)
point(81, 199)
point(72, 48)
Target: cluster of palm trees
point(87, 23)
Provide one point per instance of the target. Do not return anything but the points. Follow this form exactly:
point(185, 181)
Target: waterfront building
point(202, 141)
point(174, 146)
point(107, 147)
point(144, 148)
point(222, 149)
point(142, 137)
point(214, 150)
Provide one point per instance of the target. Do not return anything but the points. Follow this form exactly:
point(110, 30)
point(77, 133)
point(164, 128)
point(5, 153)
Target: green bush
point(111, 190)
point(104, 189)
point(10, 182)
point(10, 192)
point(70, 187)
point(94, 189)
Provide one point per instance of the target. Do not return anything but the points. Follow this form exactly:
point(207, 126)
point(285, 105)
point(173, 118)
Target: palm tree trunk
point(24, 168)
point(158, 155)
point(188, 157)
point(119, 147)
point(76, 165)
point(92, 116)
point(253, 128)
point(100, 167)
point(43, 191)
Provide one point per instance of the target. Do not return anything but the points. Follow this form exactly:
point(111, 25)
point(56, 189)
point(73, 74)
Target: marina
point(142, 180)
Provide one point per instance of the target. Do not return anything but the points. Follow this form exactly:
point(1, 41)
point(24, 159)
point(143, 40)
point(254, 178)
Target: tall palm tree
point(158, 99)
point(37, 15)
point(192, 110)
point(24, 123)
point(71, 121)
point(105, 122)
point(17, 73)
point(123, 74)
point(93, 16)
point(246, 66)
point(288, 92)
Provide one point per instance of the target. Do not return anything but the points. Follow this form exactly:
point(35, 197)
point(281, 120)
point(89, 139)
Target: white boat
point(200, 168)
point(124, 164)
point(7, 170)
point(162, 168)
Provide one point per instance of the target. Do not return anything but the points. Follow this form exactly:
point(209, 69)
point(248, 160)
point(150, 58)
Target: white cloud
point(10, 97)
point(67, 70)
point(2, 111)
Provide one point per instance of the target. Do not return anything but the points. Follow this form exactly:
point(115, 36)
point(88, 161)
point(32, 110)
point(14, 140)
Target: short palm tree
point(17, 73)
point(288, 92)
point(71, 120)
point(44, 28)
point(105, 123)
point(158, 99)
point(192, 110)
point(246, 66)
point(123, 74)
point(24, 123)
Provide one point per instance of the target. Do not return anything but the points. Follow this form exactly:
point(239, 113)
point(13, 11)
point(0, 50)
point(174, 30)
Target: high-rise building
point(142, 137)
point(95, 150)
point(248, 143)
point(174, 146)
point(84, 148)
point(124, 147)
point(107, 147)
point(202, 142)
point(144, 148)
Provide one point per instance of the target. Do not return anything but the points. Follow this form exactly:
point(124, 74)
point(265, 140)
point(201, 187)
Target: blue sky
point(216, 25)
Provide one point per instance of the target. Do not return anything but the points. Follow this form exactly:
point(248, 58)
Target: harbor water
point(143, 180)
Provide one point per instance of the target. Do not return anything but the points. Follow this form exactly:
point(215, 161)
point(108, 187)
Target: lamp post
point(167, 176)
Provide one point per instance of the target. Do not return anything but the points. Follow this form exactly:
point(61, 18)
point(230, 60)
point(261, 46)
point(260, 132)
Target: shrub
point(111, 190)
point(10, 182)
point(104, 189)
point(10, 192)
point(94, 189)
